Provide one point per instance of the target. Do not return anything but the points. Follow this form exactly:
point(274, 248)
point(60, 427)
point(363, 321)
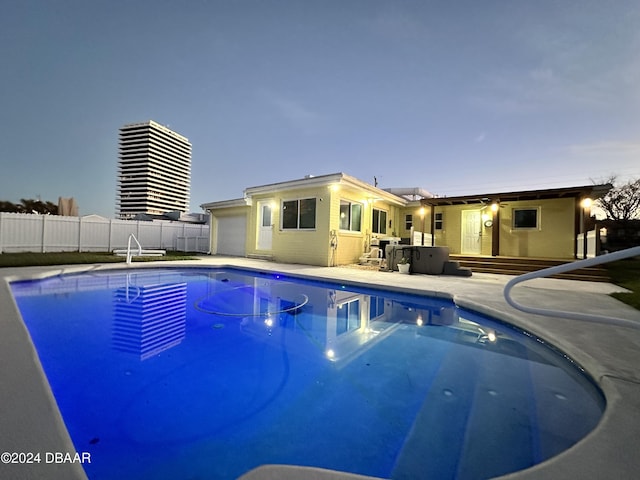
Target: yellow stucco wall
point(451, 233)
point(306, 246)
point(421, 221)
point(351, 244)
point(553, 239)
point(313, 246)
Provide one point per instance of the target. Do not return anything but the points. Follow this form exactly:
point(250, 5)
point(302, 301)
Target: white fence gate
point(23, 232)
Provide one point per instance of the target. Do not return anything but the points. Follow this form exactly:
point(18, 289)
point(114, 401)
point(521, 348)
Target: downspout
point(433, 225)
point(495, 233)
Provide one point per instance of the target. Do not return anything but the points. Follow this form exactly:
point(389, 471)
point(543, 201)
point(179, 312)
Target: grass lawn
point(626, 273)
point(70, 258)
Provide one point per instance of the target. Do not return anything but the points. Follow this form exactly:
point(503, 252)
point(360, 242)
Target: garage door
point(231, 234)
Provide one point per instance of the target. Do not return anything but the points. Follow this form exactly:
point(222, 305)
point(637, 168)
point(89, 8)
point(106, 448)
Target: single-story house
point(317, 220)
point(333, 219)
point(534, 223)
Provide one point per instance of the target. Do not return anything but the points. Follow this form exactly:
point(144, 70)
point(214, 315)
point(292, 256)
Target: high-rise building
point(154, 170)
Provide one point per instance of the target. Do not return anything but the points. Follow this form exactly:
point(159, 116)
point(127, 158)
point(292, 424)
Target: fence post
point(79, 234)
point(109, 241)
point(44, 232)
point(1, 216)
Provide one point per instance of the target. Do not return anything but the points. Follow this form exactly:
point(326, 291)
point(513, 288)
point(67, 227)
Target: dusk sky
point(456, 97)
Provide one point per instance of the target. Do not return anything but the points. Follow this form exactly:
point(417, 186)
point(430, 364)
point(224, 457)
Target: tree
point(621, 202)
point(29, 206)
point(6, 206)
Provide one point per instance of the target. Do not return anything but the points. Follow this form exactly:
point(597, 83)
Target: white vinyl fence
point(23, 232)
point(420, 238)
point(591, 246)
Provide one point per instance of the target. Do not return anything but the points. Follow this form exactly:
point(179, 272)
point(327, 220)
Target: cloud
point(607, 149)
point(396, 24)
point(606, 158)
point(294, 112)
point(480, 138)
point(543, 89)
point(579, 60)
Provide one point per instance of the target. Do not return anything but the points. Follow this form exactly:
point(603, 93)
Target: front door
point(471, 232)
point(265, 225)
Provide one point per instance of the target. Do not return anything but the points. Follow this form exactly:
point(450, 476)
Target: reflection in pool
point(210, 372)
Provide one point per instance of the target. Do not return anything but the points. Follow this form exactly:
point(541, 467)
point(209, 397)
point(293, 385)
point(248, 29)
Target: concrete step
point(260, 256)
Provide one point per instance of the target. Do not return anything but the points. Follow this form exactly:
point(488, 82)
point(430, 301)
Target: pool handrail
point(129, 255)
point(567, 267)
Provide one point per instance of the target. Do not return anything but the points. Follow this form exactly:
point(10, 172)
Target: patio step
point(520, 266)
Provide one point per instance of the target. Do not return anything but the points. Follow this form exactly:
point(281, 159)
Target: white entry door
point(471, 232)
point(265, 225)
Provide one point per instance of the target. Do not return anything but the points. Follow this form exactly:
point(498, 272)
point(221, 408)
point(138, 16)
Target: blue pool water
point(207, 373)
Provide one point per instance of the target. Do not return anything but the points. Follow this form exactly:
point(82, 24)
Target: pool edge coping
point(578, 460)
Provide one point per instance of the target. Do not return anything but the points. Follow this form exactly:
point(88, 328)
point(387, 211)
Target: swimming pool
point(185, 373)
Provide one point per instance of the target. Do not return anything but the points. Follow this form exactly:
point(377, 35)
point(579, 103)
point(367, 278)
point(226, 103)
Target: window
point(379, 224)
point(408, 221)
point(376, 307)
point(438, 221)
point(299, 214)
point(350, 216)
point(266, 215)
point(348, 317)
point(525, 218)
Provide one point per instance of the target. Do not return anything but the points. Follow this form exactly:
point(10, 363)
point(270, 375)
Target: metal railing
point(129, 254)
point(567, 267)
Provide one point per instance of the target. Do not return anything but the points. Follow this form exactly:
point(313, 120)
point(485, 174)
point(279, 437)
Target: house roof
point(398, 196)
point(591, 191)
point(235, 202)
point(306, 182)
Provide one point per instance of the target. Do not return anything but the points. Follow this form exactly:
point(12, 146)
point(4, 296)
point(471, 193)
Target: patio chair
point(373, 257)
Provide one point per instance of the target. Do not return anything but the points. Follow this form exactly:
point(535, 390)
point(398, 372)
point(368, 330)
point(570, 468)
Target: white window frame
point(386, 217)
point(350, 219)
point(298, 216)
point(520, 228)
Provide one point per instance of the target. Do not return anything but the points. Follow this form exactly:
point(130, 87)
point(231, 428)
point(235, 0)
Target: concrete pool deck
point(30, 421)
